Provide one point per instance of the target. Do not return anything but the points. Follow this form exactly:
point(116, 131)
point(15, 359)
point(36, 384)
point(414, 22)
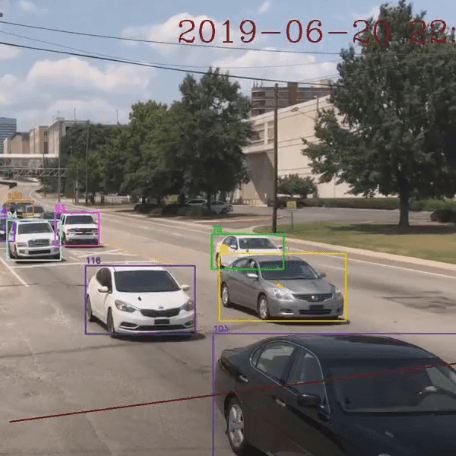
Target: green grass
point(436, 243)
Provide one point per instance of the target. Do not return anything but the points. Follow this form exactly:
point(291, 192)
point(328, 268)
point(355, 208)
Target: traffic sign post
point(291, 206)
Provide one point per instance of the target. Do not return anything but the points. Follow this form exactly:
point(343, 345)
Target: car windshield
point(79, 220)
point(393, 385)
point(293, 270)
point(256, 243)
point(29, 228)
point(145, 281)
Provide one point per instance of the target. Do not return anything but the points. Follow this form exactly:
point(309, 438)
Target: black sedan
point(335, 396)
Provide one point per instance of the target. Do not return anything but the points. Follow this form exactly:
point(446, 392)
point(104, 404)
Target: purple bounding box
point(126, 299)
point(6, 229)
point(78, 231)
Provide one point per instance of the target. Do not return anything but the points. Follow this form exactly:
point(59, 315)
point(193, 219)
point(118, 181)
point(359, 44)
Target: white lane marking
point(389, 266)
point(50, 265)
point(405, 269)
point(110, 251)
point(12, 272)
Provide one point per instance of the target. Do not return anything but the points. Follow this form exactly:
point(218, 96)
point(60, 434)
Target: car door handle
point(242, 378)
point(280, 402)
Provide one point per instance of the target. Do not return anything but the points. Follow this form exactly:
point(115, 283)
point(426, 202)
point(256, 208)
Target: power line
point(182, 66)
point(162, 67)
point(166, 42)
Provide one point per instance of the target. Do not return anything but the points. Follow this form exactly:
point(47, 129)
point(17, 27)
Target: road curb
point(372, 254)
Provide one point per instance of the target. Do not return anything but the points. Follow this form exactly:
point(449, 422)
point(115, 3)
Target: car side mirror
point(185, 287)
point(251, 275)
point(322, 274)
point(309, 400)
point(103, 289)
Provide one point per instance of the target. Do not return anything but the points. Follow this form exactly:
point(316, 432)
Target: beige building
point(58, 130)
point(17, 144)
point(294, 123)
point(39, 143)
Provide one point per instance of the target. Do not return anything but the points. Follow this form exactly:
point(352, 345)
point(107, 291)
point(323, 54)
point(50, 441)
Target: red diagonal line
point(262, 388)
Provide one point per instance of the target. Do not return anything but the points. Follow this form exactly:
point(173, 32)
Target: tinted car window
point(394, 386)
point(256, 243)
point(79, 220)
point(145, 281)
point(293, 270)
point(274, 359)
point(29, 228)
point(306, 370)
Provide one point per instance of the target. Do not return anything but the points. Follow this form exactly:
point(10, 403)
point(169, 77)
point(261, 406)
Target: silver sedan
point(274, 289)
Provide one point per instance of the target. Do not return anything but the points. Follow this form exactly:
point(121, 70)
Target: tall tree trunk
point(404, 200)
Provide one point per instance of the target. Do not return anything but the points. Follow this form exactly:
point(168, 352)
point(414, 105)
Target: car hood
point(29, 237)
point(155, 301)
point(417, 435)
point(303, 285)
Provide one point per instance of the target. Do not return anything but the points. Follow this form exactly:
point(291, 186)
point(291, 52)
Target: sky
point(36, 85)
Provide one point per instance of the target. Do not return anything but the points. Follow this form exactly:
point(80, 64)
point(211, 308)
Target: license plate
point(316, 307)
point(162, 321)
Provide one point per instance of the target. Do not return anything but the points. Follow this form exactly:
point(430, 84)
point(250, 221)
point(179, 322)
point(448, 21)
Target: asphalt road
point(49, 366)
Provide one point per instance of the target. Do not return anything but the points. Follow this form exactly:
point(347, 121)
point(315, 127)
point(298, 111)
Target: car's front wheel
point(235, 428)
point(263, 307)
point(110, 323)
point(225, 295)
point(11, 253)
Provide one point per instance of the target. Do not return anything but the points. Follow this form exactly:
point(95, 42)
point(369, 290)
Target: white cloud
point(77, 73)
point(265, 7)
point(69, 83)
point(95, 110)
point(31, 8)
point(373, 12)
point(8, 52)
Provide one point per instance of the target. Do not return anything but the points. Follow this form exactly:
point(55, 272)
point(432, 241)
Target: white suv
point(32, 239)
point(78, 228)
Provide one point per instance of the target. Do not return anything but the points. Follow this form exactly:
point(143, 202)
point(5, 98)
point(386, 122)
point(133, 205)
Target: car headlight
point(124, 307)
point(188, 306)
point(21, 244)
point(283, 295)
point(95, 232)
point(338, 294)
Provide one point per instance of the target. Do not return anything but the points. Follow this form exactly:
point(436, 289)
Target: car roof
point(356, 346)
point(30, 221)
point(243, 236)
point(136, 268)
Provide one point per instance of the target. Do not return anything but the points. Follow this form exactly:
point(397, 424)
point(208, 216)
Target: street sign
point(173, 198)
point(291, 205)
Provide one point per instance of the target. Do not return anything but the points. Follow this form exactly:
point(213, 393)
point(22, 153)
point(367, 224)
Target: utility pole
point(276, 147)
point(87, 154)
point(60, 148)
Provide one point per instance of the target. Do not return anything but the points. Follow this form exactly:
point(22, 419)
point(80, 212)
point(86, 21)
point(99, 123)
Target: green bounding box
point(218, 231)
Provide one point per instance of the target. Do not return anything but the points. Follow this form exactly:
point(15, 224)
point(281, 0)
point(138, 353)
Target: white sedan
point(232, 247)
point(139, 300)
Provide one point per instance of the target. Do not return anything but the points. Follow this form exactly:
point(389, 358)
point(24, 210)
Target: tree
point(296, 185)
point(79, 160)
point(212, 130)
point(398, 101)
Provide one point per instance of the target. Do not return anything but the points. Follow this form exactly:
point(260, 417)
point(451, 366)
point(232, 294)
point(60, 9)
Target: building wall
point(8, 127)
point(17, 144)
point(294, 123)
point(39, 140)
